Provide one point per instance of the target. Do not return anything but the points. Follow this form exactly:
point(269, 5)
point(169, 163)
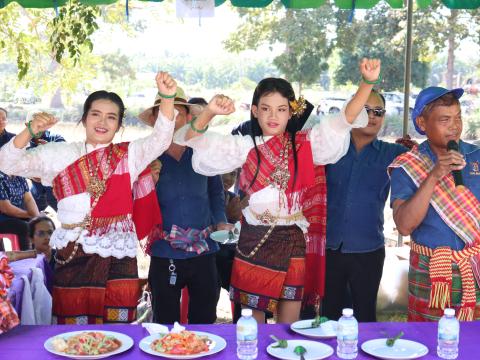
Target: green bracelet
point(163, 96)
point(378, 81)
point(32, 134)
point(192, 126)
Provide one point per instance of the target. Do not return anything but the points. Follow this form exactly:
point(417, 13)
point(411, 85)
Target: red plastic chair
point(184, 306)
point(13, 241)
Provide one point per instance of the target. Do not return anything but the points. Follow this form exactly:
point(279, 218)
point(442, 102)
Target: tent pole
point(407, 79)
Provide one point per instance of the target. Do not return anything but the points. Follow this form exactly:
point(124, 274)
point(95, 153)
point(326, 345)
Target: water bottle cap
point(247, 312)
point(347, 312)
point(449, 312)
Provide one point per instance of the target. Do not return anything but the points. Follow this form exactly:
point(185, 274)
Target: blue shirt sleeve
point(403, 187)
point(3, 188)
point(24, 185)
point(217, 199)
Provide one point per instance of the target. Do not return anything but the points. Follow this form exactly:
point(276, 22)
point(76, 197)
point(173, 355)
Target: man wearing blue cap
point(442, 218)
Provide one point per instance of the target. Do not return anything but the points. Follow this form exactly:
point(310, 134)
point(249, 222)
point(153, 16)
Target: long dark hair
point(36, 220)
point(104, 95)
point(265, 87)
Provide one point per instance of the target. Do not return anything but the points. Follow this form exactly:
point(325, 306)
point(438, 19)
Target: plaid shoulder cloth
point(461, 212)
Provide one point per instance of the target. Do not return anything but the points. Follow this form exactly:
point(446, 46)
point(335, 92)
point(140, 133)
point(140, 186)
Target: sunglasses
point(376, 112)
point(42, 233)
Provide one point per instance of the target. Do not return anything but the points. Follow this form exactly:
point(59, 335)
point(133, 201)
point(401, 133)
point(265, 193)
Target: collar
point(90, 147)
point(465, 149)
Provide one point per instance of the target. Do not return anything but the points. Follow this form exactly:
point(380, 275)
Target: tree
point(303, 34)
point(380, 35)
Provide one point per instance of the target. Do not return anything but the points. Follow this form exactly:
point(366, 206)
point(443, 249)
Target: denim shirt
point(188, 200)
point(433, 231)
point(357, 189)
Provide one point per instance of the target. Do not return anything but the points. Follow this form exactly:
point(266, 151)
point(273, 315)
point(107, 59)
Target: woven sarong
point(276, 272)
point(419, 285)
point(95, 290)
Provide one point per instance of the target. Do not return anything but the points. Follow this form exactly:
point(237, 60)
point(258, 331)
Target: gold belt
point(84, 224)
point(268, 218)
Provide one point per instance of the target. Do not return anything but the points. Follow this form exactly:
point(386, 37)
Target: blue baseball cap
point(427, 96)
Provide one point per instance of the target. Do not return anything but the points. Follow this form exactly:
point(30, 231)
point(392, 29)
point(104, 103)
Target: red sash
point(309, 192)
point(120, 201)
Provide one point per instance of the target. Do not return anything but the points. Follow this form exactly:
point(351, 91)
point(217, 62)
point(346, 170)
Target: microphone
point(457, 174)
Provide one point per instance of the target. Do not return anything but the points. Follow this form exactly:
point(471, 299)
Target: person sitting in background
point(17, 206)
point(43, 195)
point(40, 229)
point(5, 136)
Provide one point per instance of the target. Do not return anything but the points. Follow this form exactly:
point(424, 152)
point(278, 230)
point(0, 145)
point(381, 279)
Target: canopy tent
point(292, 4)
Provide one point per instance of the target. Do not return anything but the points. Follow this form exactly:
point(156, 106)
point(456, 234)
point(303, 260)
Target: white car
point(330, 105)
point(394, 103)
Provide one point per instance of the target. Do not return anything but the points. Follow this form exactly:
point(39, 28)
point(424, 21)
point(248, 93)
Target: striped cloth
point(461, 212)
point(419, 285)
point(191, 240)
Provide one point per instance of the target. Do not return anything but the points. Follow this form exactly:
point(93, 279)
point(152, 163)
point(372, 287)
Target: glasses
point(42, 233)
point(376, 112)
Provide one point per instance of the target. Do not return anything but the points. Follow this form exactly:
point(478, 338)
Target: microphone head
point(452, 145)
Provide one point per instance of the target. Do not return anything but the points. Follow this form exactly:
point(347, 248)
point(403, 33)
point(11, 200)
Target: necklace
point(96, 185)
point(279, 178)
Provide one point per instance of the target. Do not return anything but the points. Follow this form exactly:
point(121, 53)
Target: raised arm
point(370, 71)
point(143, 151)
point(330, 138)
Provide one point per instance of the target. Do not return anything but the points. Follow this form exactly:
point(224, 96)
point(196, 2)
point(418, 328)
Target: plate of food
point(183, 345)
point(320, 327)
point(226, 237)
point(88, 344)
point(292, 349)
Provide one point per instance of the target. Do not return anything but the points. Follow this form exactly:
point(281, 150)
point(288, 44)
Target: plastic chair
point(14, 243)
point(184, 306)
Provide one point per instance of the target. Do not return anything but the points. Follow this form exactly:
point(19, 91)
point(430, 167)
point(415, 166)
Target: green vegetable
point(391, 341)
point(300, 350)
point(280, 343)
point(319, 320)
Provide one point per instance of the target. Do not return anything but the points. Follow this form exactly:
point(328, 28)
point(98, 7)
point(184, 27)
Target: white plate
point(127, 343)
point(401, 349)
point(324, 331)
point(221, 236)
point(217, 345)
point(315, 350)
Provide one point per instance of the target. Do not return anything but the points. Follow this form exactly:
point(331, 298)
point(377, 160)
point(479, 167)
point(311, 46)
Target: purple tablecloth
point(26, 342)
point(23, 267)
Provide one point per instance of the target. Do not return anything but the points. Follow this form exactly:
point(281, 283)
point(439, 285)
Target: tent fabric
point(292, 4)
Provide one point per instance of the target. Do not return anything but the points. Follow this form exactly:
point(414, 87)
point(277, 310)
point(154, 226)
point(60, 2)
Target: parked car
point(330, 105)
point(394, 103)
point(25, 96)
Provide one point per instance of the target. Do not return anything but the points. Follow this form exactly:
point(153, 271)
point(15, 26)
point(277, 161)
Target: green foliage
point(71, 29)
point(303, 33)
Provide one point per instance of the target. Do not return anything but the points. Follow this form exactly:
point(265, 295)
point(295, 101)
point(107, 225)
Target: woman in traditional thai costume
point(106, 200)
point(283, 227)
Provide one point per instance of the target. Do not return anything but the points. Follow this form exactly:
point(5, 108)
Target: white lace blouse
point(215, 153)
point(46, 161)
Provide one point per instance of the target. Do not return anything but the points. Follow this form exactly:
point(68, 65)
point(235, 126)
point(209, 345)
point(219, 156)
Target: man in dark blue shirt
point(184, 255)
point(358, 186)
point(43, 195)
point(5, 136)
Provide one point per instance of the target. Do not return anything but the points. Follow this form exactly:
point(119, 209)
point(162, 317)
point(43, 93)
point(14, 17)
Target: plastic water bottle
point(347, 335)
point(247, 332)
point(448, 335)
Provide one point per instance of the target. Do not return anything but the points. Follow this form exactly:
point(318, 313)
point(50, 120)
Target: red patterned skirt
point(276, 271)
point(91, 289)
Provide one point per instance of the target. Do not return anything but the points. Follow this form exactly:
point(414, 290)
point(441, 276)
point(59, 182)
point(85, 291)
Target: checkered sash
point(190, 240)
point(461, 212)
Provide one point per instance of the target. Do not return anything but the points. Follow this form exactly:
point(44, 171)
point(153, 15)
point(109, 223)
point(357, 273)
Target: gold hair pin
point(298, 106)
